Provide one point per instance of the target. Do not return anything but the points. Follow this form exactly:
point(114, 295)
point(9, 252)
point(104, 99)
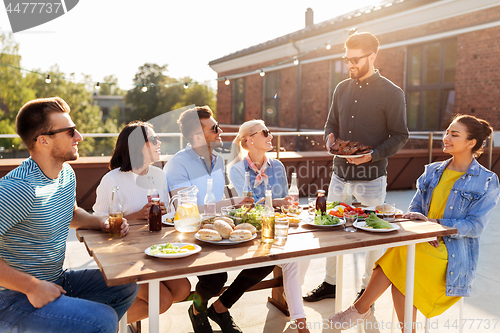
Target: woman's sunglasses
point(154, 139)
point(265, 131)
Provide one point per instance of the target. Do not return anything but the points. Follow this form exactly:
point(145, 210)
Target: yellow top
point(441, 192)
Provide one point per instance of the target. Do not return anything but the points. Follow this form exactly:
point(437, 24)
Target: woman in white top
point(136, 148)
point(252, 143)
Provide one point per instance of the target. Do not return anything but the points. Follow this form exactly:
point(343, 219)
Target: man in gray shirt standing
point(371, 110)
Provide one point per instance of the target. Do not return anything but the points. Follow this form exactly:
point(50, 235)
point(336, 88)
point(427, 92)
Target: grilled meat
point(345, 147)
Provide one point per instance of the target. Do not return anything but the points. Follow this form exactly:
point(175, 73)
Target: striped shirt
point(35, 213)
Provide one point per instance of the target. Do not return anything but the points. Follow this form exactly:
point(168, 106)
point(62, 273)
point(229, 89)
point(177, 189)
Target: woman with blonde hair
point(252, 143)
point(457, 193)
point(249, 150)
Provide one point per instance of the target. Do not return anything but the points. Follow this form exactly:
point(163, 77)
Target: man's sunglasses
point(354, 60)
point(265, 131)
point(71, 130)
point(215, 129)
point(154, 139)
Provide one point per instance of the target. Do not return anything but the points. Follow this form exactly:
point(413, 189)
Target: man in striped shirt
point(37, 208)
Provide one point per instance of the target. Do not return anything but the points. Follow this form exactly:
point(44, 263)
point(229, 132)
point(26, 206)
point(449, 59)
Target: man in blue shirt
point(37, 207)
point(193, 166)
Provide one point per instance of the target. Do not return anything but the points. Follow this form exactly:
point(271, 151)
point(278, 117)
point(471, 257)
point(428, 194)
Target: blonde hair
point(239, 143)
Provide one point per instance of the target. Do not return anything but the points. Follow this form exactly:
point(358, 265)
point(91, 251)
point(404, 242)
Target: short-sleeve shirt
point(35, 213)
point(188, 168)
point(275, 172)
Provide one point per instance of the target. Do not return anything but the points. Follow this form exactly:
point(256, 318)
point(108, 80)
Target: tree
point(199, 95)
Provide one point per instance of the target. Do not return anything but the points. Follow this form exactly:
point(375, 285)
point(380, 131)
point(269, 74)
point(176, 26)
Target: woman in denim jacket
point(458, 193)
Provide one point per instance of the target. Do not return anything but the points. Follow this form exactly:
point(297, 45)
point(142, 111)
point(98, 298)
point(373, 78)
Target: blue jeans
point(88, 306)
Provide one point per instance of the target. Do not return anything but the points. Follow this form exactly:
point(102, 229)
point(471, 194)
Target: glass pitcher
point(187, 217)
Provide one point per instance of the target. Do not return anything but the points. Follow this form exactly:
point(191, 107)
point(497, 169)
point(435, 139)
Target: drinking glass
point(390, 211)
point(311, 203)
point(350, 218)
point(280, 230)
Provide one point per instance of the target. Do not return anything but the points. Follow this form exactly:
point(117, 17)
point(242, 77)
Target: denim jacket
point(468, 209)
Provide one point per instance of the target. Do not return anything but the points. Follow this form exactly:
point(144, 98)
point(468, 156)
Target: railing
point(418, 135)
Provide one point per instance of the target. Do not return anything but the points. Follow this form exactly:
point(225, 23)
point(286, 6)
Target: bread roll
point(240, 235)
point(207, 234)
point(226, 219)
point(246, 226)
point(223, 228)
point(208, 226)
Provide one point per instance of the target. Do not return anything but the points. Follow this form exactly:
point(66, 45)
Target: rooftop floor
point(255, 315)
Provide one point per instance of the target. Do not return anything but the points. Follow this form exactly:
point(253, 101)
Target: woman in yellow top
point(458, 193)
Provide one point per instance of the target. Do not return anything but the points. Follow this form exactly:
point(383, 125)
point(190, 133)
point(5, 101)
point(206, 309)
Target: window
point(272, 98)
point(238, 101)
point(430, 92)
point(338, 73)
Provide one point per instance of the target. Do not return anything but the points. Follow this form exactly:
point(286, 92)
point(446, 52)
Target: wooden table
point(123, 260)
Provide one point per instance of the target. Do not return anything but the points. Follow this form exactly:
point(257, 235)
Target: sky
point(116, 37)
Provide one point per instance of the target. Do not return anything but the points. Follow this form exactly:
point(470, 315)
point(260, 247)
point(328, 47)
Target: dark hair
point(127, 154)
point(33, 118)
point(478, 129)
point(189, 120)
point(364, 41)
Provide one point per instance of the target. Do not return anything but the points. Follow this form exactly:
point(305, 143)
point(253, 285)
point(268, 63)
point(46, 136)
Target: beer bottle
point(115, 214)
point(155, 215)
point(209, 199)
point(247, 188)
point(268, 219)
point(294, 190)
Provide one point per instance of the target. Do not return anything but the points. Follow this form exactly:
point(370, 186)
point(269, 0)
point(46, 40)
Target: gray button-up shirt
point(372, 112)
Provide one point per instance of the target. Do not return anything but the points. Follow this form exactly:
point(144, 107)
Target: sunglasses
point(154, 139)
point(265, 131)
point(71, 130)
point(215, 128)
point(354, 60)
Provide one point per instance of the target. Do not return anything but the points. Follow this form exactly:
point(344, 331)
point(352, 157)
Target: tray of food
point(348, 149)
point(224, 232)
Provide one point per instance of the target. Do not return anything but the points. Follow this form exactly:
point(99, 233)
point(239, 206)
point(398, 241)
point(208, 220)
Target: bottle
point(268, 219)
point(115, 214)
point(321, 202)
point(154, 218)
point(209, 199)
point(152, 192)
point(247, 188)
point(347, 193)
point(293, 191)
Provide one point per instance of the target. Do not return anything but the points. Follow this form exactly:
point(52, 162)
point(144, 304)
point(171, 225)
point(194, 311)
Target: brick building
point(443, 54)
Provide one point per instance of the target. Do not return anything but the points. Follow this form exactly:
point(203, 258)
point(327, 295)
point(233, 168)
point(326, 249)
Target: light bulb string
point(225, 79)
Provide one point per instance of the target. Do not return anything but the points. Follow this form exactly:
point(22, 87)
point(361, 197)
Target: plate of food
point(168, 219)
point(254, 216)
point(172, 250)
point(223, 232)
point(326, 221)
point(363, 226)
point(223, 241)
point(348, 149)
point(341, 208)
point(379, 210)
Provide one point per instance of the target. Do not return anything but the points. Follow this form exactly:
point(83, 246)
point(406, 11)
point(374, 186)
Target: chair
point(460, 316)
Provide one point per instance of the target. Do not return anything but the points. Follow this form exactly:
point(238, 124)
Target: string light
point(185, 85)
point(328, 46)
point(97, 86)
point(296, 61)
point(48, 80)
point(144, 88)
point(262, 73)
point(226, 81)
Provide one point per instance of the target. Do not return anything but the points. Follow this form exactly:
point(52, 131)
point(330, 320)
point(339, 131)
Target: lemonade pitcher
point(187, 217)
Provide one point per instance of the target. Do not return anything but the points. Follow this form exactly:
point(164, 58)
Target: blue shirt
point(276, 179)
point(468, 209)
point(35, 213)
point(188, 168)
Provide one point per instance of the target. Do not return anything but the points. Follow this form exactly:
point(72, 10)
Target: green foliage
point(199, 95)
point(110, 86)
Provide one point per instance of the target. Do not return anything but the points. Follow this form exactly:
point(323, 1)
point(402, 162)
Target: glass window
point(272, 98)
point(430, 88)
point(238, 101)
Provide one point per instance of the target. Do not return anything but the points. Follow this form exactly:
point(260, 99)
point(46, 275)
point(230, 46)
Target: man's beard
point(65, 156)
point(361, 71)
